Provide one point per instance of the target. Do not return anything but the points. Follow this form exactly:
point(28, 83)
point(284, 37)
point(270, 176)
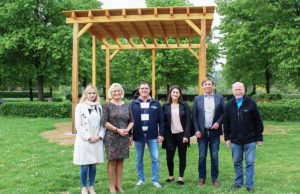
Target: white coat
point(85, 152)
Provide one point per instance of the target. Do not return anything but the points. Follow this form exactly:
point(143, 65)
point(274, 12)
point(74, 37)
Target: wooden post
point(75, 60)
point(107, 73)
point(202, 56)
point(94, 61)
point(153, 73)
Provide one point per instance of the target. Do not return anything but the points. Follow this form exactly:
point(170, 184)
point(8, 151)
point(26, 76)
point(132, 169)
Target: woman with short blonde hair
point(118, 120)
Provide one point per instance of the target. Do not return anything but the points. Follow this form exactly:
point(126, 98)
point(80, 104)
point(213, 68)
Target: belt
point(208, 129)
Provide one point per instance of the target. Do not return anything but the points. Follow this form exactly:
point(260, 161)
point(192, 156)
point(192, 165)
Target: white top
point(176, 126)
point(209, 110)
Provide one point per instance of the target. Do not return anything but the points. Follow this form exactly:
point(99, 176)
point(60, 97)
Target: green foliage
point(261, 41)
point(14, 94)
point(291, 96)
point(267, 96)
point(282, 110)
point(37, 109)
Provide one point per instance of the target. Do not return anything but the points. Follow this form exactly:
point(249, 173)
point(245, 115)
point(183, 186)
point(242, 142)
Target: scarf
point(91, 105)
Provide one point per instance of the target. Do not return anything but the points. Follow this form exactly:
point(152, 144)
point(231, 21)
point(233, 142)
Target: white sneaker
point(91, 190)
point(84, 190)
point(139, 183)
point(157, 185)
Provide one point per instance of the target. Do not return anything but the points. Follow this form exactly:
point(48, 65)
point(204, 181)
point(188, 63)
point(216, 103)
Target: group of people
point(117, 125)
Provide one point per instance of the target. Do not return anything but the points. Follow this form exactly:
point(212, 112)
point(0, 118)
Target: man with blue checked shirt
point(148, 115)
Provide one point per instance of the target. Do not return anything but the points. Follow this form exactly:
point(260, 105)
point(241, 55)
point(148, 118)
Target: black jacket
point(244, 125)
point(185, 119)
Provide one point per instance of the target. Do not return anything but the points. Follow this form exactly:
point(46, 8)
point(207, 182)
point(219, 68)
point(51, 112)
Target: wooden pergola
point(122, 25)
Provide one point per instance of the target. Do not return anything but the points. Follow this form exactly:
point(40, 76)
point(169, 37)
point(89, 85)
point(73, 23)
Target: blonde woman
point(117, 119)
point(88, 148)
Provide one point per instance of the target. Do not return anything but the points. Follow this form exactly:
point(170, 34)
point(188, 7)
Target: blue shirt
point(239, 102)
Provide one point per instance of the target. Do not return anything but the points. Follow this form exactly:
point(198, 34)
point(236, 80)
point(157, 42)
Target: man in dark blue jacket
point(243, 127)
point(207, 120)
point(147, 114)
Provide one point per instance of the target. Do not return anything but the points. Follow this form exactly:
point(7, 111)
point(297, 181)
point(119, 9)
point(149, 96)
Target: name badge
point(145, 105)
point(145, 117)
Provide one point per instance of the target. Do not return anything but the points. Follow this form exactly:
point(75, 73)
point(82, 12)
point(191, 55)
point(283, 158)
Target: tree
point(35, 30)
point(253, 34)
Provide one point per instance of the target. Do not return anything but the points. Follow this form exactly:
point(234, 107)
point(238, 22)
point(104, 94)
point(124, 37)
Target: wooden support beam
point(153, 73)
point(150, 32)
point(202, 52)
point(190, 23)
point(140, 12)
point(94, 61)
point(138, 34)
point(107, 74)
point(155, 12)
point(171, 11)
point(188, 11)
point(114, 53)
point(136, 18)
point(124, 13)
point(75, 60)
point(91, 15)
point(73, 15)
point(107, 14)
point(151, 46)
point(163, 33)
point(194, 53)
point(176, 34)
point(84, 29)
point(107, 31)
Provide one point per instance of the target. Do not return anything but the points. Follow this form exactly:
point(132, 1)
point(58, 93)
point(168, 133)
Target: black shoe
point(236, 186)
point(250, 189)
point(180, 182)
point(169, 180)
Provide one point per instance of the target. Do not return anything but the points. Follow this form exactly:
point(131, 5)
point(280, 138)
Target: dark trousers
point(182, 147)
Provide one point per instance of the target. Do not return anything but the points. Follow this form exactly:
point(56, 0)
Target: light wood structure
point(123, 25)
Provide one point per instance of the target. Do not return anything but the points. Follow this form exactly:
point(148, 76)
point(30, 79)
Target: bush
point(37, 109)
point(282, 110)
point(291, 96)
point(25, 94)
point(267, 96)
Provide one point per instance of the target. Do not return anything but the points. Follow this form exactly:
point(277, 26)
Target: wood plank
point(138, 34)
point(202, 61)
point(114, 53)
point(124, 13)
point(137, 18)
point(107, 84)
point(153, 73)
point(75, 60)
point(94, 61)
point(194, 26)
point(84, 29)
point(151, 46)
point(194, 53)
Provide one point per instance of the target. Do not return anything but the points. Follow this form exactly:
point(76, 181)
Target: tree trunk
point(84, 83)
point(168, 88)
point(268, 78)
point(40, 79)
point(253, 90)
point(30, 90)
point(50, 92)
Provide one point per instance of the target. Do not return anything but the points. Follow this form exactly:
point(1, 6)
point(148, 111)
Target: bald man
point(243, 128)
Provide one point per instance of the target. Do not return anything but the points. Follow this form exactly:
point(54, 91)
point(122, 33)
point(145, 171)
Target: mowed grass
point(29, 164)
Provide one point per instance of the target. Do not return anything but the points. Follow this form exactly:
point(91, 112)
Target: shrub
point(267, 96)
point(282, 110)
point(291, 96)
point(37, 109)
point(25, 94)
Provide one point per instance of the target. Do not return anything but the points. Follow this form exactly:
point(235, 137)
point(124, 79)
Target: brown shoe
point(201, 183)
point(216, 183)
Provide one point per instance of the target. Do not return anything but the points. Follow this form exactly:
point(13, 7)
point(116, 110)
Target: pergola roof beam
point(150, 32)
point(84, 29)
point(107, 31)
point(152, 46)
point(136, 31)
point(163, 33)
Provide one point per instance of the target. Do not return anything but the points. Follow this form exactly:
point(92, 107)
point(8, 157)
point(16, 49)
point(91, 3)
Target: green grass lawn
point(29, 164)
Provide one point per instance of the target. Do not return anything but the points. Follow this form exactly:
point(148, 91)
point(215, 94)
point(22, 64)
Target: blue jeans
point(153, 146)
point(213, 142)
point(237, 155)
point(83, 174)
